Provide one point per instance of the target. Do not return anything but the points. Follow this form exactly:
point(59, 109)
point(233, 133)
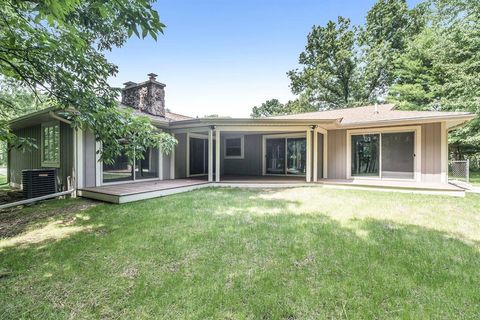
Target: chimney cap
point(129, 84)
point(152, 76)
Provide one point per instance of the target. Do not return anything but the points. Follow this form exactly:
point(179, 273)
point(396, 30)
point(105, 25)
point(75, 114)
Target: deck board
point(124, 189)
point(134, 191)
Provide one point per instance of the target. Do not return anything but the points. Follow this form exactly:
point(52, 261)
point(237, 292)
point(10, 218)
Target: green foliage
point(268, 108)
point(439, 68)
point(274, 107)
point(57, 47)
point(330, 71)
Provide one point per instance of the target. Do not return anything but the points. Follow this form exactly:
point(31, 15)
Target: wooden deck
point(134, 191)
point(396, 185)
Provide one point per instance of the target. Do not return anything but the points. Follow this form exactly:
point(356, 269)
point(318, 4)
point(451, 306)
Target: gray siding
point(251, 164)
point(337, 154)
point(31, 159)
point(431, 152)
point(89, 158)
point(181, 156)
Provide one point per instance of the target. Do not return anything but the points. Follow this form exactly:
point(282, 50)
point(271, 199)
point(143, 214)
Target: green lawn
point(303, 253)
point(475, 177)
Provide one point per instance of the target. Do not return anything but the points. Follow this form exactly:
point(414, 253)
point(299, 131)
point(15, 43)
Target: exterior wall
point(251, 164)
point(32, 159)
point(431, 152)
point(181, 156)
point(337, 154)
point(89, 159)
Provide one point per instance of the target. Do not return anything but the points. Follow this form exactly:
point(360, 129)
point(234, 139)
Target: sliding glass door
point(389, 155)
point(123, 170)
point(365, 155)
point(275, 149)
point(398, 155)
point(286, 156)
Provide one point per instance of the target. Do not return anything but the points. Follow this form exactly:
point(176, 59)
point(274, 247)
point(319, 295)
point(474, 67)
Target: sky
point(224, 57)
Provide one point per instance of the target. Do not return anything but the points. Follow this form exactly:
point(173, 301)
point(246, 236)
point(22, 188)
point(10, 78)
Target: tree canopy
point(421, 58)
point(57, 48)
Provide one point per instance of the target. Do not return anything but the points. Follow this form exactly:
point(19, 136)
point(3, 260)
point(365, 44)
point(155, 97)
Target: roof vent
point(376, 109)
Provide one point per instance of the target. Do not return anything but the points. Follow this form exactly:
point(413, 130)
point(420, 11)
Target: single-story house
point(374, 145)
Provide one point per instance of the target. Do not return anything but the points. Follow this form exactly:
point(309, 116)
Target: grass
point(475, 177)
point(302, 253)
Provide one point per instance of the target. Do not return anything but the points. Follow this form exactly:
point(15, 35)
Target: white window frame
point(417, 163)
point(264, 152)
point(46, 163)
point(242, 147)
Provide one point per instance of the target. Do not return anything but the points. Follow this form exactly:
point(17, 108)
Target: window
point(234, 148)
point(365, 155)
point(51, 145)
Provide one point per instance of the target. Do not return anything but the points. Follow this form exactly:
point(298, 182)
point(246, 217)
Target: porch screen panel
point(148, 167)
point(296, 155)
point(365, 155)
point(198, 156)
point(398, 155)
point(275, 149)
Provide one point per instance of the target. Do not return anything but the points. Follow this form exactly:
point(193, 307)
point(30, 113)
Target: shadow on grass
point(231, 253)
point(48, 220)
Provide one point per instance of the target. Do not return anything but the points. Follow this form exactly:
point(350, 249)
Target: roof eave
point(430, 119)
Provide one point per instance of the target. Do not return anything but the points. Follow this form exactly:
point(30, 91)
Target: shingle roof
point(366, 114)
point(176, 116)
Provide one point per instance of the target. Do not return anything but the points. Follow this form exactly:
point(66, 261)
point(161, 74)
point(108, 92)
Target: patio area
point(129, 192)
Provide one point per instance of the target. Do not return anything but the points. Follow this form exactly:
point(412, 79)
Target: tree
point(389, 25)
point(440, 66)
point(269, 108)
point(56, 47)
point(330, 75)
point(274, 107)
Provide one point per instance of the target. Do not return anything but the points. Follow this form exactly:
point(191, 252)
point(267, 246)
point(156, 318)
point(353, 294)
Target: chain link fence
point(458, 170)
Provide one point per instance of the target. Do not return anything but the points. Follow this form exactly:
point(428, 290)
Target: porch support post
point(325, 154)
point(315, 155)
point(210, 155)
point(172, 161)
point(217, 155)
point(309, 155)
point(444, 153)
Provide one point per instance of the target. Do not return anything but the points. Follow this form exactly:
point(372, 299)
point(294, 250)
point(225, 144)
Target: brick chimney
point(148, 96)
